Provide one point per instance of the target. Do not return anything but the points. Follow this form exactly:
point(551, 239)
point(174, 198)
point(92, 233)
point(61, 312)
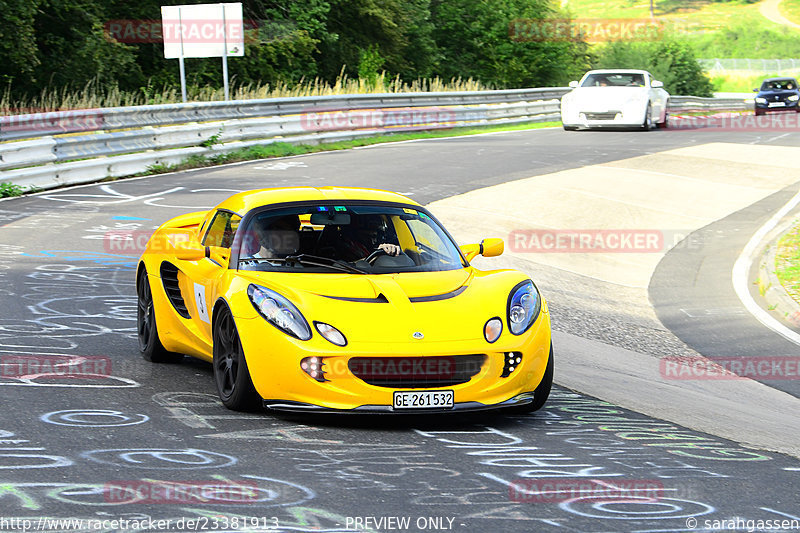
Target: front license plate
point(439, 399)
point(777, 104)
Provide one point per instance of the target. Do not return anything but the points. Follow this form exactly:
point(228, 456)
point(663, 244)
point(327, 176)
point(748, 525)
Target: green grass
point(787, 262)
point(715, 29)
point(749, 36)
point(738, 83)
point(694, 15)
point(8, 190)
point(791, 10)
point(284, 149)
point(93, 96)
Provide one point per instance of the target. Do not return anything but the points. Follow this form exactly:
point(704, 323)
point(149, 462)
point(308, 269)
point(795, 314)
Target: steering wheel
point(374, 255)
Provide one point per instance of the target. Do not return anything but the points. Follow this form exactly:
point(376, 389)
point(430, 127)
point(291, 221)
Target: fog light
point(314, 367)
point(492, 329)
point(511, 361)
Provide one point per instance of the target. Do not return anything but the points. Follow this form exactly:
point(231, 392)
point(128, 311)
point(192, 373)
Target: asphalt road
point(82, 448)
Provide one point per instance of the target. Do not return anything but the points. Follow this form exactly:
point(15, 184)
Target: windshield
point(779, 85)
point(358, 239)
point(609, 79)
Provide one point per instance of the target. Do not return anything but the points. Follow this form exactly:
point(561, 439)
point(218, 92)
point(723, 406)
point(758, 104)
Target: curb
point(778, 302)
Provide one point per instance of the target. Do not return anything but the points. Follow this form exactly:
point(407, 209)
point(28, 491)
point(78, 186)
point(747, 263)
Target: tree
point(475, 40)
point(17, 41)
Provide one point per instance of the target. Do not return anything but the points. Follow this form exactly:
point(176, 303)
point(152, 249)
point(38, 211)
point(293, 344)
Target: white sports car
point(615, 99)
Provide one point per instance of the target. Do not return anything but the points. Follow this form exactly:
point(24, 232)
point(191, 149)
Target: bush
point(8, 190)
point(669, 60)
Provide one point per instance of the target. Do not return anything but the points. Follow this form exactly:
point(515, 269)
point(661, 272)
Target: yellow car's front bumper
point(274, 361)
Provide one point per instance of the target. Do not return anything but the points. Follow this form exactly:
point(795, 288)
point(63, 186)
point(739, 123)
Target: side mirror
point(189, 251)
point(755, 90)
point(492, 247)
point(655, 84)
point(487, 248)
point(573, 84)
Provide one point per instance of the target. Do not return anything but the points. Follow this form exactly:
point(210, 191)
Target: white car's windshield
point(616, 79)
point(346, 238)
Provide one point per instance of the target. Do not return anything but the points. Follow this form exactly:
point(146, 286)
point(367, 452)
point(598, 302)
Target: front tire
point(570, 128)
point(147, 330)
point(542, 391)
point(647, 124)
point(231, 375)
point(663, 123)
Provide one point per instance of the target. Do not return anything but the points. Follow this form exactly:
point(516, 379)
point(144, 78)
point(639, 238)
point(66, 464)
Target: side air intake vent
point(169, 277)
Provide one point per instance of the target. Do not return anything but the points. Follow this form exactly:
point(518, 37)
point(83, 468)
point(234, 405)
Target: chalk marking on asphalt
point(759, 141)
point(742, 267)
point(779, 512)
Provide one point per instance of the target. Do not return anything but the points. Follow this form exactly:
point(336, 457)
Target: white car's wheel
point(647, 124)
point(663, 123)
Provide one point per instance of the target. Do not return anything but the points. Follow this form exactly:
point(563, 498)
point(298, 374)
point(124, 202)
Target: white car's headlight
point(524, 305)
point(279, 312)
point(760, 100)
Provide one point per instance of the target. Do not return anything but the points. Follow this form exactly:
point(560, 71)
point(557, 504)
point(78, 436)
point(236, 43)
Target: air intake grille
point(169, 277)
point(416, 372)
point(601, 116)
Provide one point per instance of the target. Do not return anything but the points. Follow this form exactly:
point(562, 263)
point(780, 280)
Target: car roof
point(789, 78)
point(618, 71)
point(246, 201)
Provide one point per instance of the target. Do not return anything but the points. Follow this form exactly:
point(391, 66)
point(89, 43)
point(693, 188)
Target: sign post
point(203, 30)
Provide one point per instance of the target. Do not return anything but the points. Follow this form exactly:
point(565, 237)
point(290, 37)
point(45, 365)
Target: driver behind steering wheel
point(363, 236)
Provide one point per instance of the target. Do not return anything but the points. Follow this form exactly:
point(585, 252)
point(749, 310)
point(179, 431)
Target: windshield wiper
point(316, 260)
point(308, 260)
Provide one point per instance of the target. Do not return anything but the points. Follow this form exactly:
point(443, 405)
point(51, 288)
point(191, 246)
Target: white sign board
point(203, 30)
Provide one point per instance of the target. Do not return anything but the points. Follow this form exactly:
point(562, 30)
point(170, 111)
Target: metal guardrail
point(50, 150)
point(115, 118)
point(695, 104)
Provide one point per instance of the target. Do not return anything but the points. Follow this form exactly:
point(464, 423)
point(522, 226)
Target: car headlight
point(279, 312)
point(524, 305)
point(794, 98)
point(760, 100)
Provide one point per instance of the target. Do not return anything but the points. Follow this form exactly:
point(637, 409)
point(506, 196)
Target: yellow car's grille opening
point(417, 372)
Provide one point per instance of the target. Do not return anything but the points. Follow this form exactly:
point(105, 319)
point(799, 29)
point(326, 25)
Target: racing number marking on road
point(200, 301)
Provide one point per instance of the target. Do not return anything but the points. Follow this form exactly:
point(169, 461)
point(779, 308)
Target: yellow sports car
point(342, 300)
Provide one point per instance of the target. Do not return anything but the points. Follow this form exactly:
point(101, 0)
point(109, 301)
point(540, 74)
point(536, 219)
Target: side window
point(222, 229)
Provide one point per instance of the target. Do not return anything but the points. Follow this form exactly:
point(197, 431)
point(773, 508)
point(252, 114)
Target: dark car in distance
point(777, 94)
